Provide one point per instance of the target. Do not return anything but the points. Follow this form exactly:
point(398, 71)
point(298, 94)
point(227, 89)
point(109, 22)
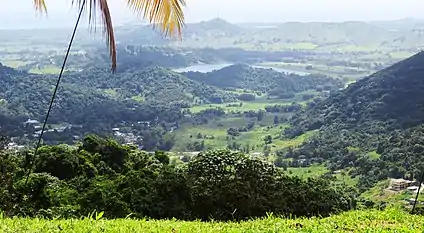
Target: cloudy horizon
point(61, 14)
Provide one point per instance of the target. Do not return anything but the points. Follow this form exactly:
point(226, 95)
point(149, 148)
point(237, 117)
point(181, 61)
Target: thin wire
point(54, 94)
point(418, 193)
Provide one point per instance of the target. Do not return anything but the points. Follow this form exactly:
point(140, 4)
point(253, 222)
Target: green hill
point(269, 81)
point(380, 115)
point(98, 101)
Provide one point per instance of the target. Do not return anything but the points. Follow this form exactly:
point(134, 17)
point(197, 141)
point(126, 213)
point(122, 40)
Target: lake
point(205, 68)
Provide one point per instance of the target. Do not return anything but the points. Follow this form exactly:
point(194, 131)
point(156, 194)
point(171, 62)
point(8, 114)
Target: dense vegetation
point(100, 174)
point(96, 101)
point(372, 130)
point(268, 81)
point(146, 102)
point(374, 125)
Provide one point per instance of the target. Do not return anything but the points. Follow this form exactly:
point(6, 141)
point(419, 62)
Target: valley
point(295, 106)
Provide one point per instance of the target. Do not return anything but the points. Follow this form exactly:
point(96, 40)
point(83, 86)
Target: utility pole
point(418, 192)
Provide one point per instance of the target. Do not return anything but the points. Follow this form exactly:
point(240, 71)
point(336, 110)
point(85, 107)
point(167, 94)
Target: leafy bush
point(100, 174)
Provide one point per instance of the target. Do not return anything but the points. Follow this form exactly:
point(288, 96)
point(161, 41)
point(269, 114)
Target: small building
point(400, 184)
point(414, 189)
point(31, 122)
point(411, 201)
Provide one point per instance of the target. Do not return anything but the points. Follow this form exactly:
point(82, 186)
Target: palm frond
point(167, 14)
point(92, 6)
point(110, 34)
point(40, 5)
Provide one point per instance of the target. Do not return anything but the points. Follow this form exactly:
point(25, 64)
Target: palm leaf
point(40, 6)
point(168, 15)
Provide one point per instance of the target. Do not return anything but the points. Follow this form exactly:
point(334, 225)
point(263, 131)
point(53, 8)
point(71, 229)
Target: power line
point(32, 159)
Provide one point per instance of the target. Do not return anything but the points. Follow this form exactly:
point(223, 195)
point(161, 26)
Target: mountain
point(321, 33)
point(209, 27)
point(241, 76)
point(393, 96)
point(400, 24)
point(375, 125)
point(144, 35)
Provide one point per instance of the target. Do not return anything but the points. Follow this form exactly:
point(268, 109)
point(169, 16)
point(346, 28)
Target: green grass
point(14, 63)
point(314, 170)
point(390, 220)
point(46, 70)
point(139, 98)
point(330, 70)
point(218, 129)
point(188, 133)
point(343, 178)
point(401, 54)
point(255, 137)
point(373, 155)
point(247, 106)
point(297, 141)
point(111, 92)
point(259, 103)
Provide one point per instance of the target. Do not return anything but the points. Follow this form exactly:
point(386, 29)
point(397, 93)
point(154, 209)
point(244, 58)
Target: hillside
point(358, 221)
point(391, 96)
point(242, 76)
point(97, 100)
point(29, 94)
point(375, 124)
point(215, 27)
point(155, 84)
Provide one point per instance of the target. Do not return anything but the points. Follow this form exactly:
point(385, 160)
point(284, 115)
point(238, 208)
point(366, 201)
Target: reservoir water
point(205, 68)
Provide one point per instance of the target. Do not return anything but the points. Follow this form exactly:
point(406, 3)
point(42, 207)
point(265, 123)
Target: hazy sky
point(20, 13)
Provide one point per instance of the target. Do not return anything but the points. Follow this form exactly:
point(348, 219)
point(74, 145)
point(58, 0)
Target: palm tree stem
point(32, 159)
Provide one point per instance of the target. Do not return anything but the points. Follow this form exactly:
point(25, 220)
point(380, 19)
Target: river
point(205, 68)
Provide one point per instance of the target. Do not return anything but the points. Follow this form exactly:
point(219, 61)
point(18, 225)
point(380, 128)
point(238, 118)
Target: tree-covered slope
point(154, 84)
point(99, 100)
point(265, 80)
point(393, 96)
point(374, 125)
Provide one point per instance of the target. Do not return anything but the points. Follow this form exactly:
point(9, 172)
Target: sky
point(21, 14)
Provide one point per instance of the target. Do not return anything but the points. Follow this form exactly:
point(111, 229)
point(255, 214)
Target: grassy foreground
point(390, 220)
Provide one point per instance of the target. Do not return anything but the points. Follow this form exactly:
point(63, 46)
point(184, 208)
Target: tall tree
point(166, 15)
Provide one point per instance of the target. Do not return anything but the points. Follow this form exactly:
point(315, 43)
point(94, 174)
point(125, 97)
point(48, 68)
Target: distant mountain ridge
point(321, 36)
